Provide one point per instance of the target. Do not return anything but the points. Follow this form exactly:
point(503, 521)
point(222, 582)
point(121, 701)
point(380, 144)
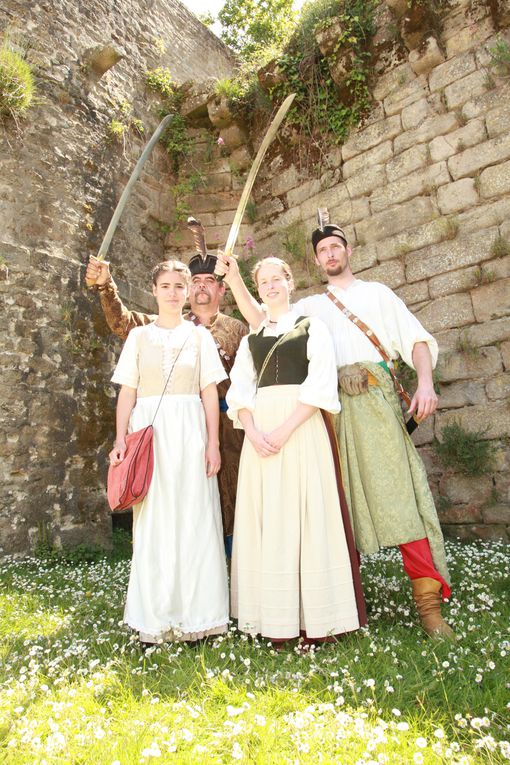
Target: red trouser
point(418, 563)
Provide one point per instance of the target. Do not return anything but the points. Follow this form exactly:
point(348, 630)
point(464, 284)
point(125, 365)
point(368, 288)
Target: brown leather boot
point(426, 594)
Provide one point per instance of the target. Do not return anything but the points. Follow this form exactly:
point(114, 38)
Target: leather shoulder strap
point(370, 335)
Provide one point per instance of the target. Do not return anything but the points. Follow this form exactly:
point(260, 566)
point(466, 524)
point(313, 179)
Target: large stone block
point(240, 159)
point(446, 312)
point(218, 182)
point(224, 218)
point(484, 216)
point(451, 71)
point(463, 393)
point(448, 340)
point(303, 191)
point(405, 95)
point(427, 57)
point(495, 181)
point(269, 208)
point(456, 196)
point(489, 332)
point(234, 136)
point(463, 90)
point(490, 301)
point(415, 113)
point(492, 420)
point(407, 162)
point(363, 258)
point(476, 158)
point(376, 156)
point(413, 293)
point(308, 208)
point(362, 183)
point(466, 489)
point(390, 273)
point(414, 239)
point(426, 131)
point(446, 146)
point(469, 37)
point(394, 220)
point(392, 80)
point(450, 255)
point(219, 112)
point(454, 281)
point(350, 211)
point(422, 182)
point(460, 514)
point(496, 514)
point(374, 134)
point(498, 119)
point(284, 181)
point(499, 387)
point(204, 203)
point(480, 363)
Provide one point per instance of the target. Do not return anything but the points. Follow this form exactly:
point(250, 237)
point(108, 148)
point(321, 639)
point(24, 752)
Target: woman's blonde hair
point(171, 265)
point(272, 260)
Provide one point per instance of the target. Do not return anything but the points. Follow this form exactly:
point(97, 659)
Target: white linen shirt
point(381, 310)
point(318, 389)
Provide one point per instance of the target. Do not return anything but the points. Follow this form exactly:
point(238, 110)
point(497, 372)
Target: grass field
point(75, 687)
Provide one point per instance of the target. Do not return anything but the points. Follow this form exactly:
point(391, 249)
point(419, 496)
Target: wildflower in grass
point(237, 752)
point(220, 141)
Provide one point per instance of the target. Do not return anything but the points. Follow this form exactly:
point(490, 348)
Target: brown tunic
point(227, 333)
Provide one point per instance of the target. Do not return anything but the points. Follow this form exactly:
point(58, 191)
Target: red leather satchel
point(129, 481)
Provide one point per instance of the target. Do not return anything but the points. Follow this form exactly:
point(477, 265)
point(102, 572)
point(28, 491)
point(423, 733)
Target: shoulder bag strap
point(370, 334)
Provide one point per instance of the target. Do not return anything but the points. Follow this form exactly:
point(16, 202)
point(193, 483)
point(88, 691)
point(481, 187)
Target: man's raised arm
point(250, 309)
point(119, 318)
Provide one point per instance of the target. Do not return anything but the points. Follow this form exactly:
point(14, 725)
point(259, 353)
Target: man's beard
point(335, 270)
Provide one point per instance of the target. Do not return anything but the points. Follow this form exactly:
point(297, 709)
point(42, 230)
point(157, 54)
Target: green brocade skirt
point(384, 478)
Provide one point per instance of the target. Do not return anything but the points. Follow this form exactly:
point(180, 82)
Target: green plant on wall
point(161, 81)
point(318, 108)
point(500, 57)
point(177, 141)
point(242, 92)
point(17, 85)
point(251, 211)
point(295, 242)
point(465, 451)
point(123, 123)
point(181, 192)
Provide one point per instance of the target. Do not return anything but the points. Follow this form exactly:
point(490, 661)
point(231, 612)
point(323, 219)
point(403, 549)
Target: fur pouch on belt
point(353, 379)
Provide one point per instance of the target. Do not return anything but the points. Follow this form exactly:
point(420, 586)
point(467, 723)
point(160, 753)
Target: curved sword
point(105, 244)
point(241, 207)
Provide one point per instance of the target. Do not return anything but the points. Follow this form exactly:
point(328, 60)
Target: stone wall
point(423, 189)
point(61, 175)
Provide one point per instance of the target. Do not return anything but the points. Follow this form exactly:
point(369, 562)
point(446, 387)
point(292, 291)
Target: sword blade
point(105, 244)
point(245, 196)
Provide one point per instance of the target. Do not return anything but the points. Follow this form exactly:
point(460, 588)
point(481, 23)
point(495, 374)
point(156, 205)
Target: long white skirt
point(291, 570)
point(178, 582)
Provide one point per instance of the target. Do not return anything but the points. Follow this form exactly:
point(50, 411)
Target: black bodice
point(288, 365)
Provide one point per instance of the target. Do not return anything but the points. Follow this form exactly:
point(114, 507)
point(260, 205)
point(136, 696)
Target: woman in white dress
point(293, 571)
point(178, 582)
